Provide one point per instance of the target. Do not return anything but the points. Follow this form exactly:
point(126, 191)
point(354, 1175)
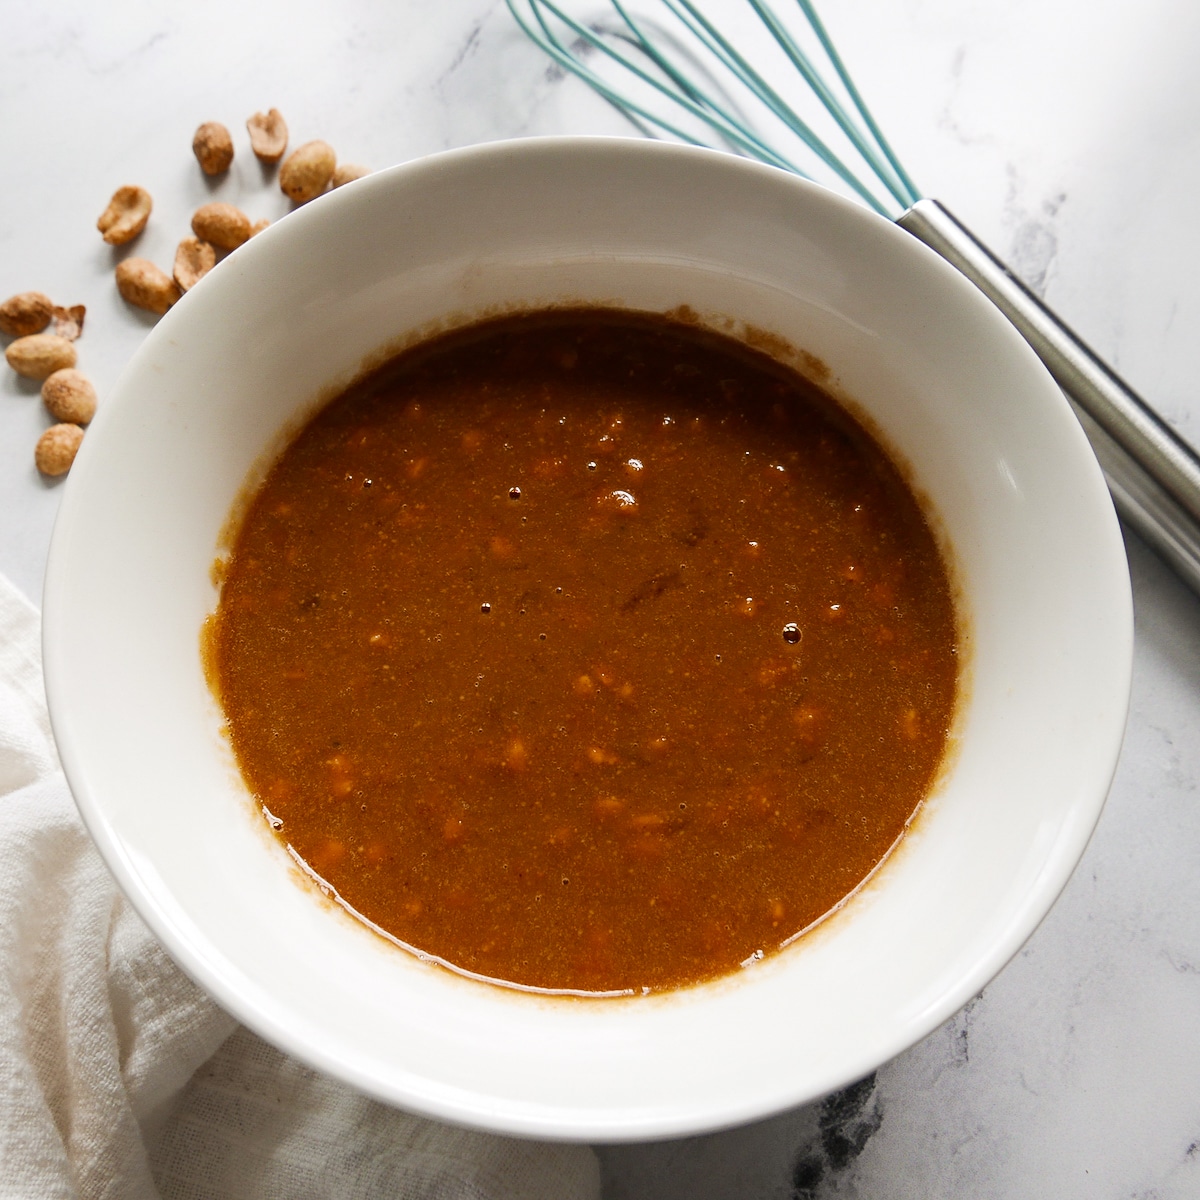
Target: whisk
point(674, 73)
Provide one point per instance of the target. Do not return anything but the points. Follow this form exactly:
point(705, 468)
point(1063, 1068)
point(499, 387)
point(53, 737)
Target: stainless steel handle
point(1153, 475)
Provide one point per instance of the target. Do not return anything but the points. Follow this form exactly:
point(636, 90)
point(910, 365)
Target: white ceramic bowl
point(295, 313)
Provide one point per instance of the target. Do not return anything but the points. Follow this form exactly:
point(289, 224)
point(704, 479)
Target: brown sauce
point(586, 650)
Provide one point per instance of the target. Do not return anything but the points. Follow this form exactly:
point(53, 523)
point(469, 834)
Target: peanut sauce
point(587, 650)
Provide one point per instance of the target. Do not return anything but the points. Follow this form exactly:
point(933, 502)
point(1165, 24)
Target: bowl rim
point(1037, 902)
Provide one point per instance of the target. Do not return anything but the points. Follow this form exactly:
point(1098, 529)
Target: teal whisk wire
point(881, 166)
point(912, 192)
point(667, 75)
point(706, 33)
point(707, 110)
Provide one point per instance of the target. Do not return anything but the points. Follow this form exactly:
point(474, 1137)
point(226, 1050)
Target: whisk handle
point(1153, 475)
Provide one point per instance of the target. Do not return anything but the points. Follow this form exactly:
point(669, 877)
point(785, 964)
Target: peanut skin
point(69, 396)
point(221, 225)
point(26, 313)
point(213, 148)
point(306, 172)
point(193, 260)
point(126, 215)
point(348, 173)
point(268, 135)
point(56, 449)
point(144, 285)
point(39, 355)
point(68, 322)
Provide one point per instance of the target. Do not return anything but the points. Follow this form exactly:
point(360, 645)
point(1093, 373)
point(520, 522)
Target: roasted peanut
point(39, 355)
point(68, 322)
point(213, 148)
point(126, 215)
point(193, 260)
point(268, 135)
point(69, 396)
point(26, 313)
point(144, 285)
point(221, 224)
point(56, 449)
point(307, 171)
point(348, 173)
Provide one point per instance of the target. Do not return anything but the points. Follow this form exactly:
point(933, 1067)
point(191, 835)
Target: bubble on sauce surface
point(791, 633)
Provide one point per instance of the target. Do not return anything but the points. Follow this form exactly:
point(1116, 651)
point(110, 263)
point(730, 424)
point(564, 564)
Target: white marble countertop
point(1067, 134)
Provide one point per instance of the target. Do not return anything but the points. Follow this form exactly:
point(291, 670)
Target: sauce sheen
point(587, 650)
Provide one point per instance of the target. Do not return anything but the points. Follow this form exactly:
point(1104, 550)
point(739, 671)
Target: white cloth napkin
point(120, 1079)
